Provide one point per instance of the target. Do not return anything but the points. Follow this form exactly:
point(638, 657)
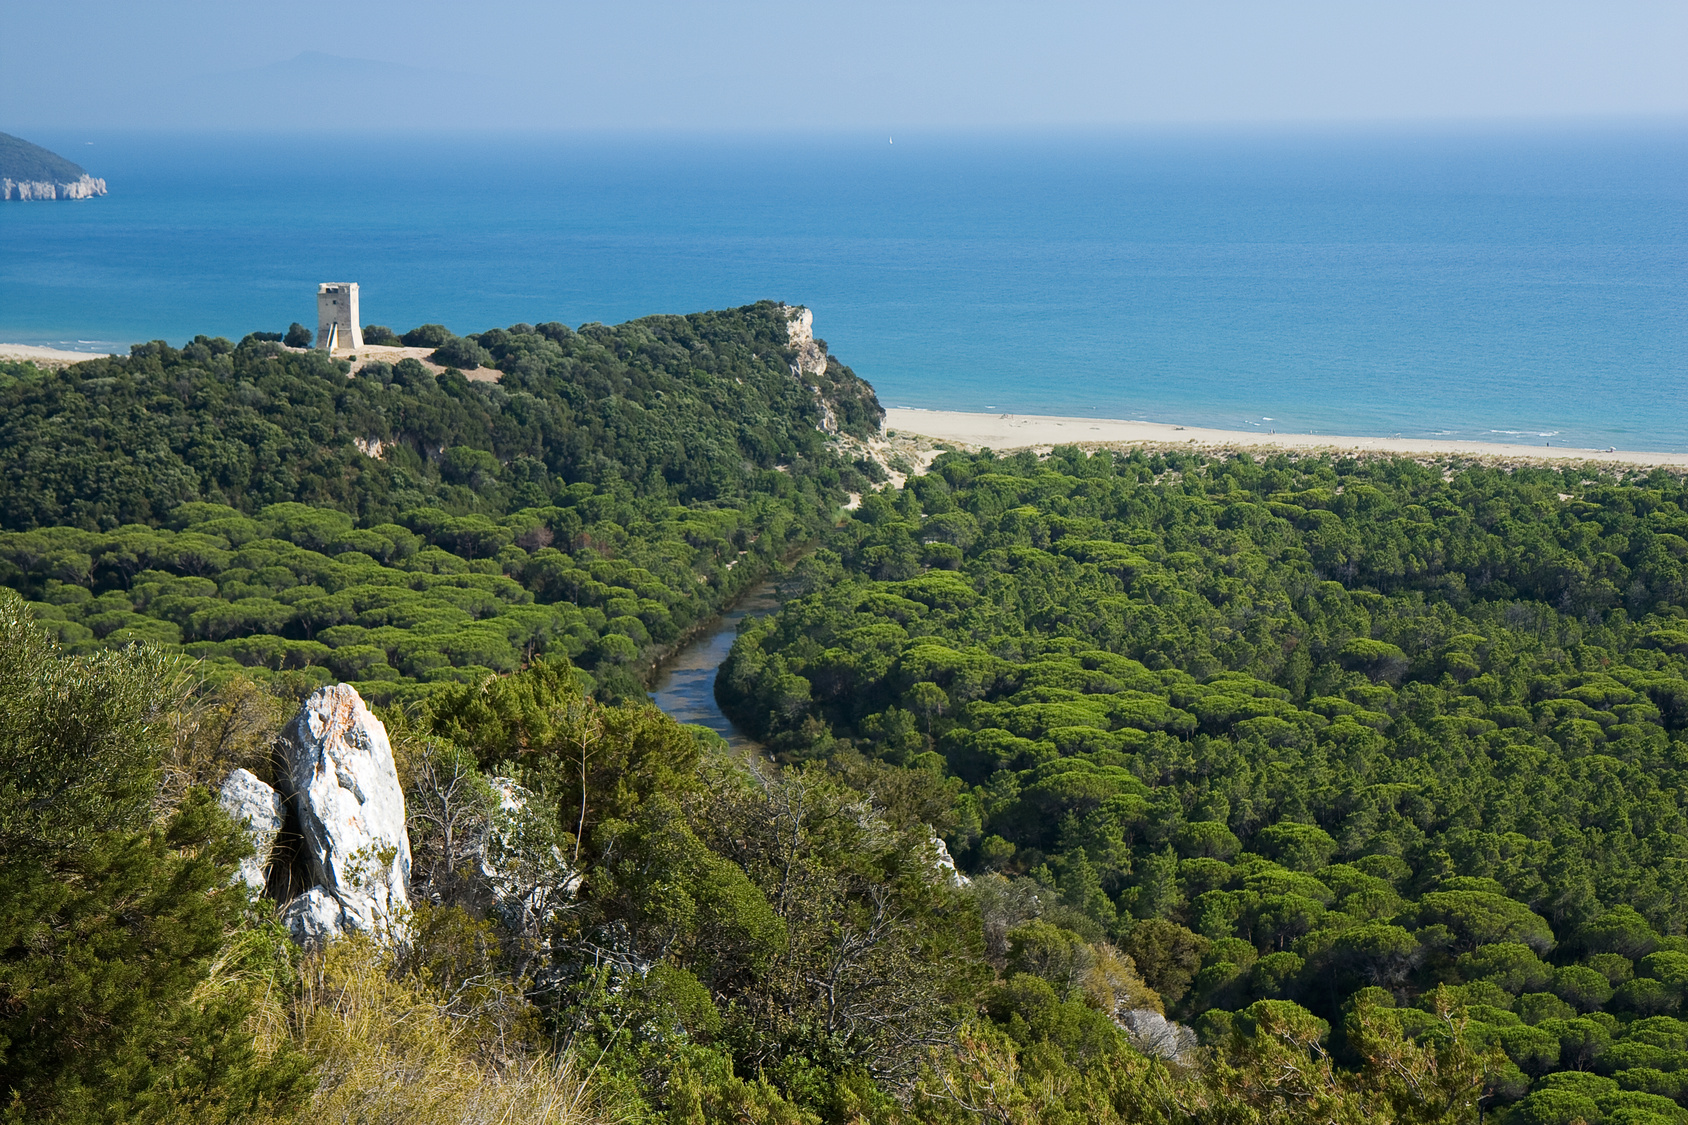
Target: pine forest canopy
point(1371, 772)
point(1288, 731)
point(398, 530)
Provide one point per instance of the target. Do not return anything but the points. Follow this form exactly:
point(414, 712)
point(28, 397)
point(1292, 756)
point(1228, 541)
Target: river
point(685, 687)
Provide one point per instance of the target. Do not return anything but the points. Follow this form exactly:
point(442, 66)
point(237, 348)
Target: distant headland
point(29, 171)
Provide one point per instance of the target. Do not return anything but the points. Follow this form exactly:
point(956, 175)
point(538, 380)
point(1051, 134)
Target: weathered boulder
point(338, 772)
point(250, 802)
point(314, 918)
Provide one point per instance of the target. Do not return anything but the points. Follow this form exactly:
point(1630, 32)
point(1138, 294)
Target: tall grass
point(391, 1049)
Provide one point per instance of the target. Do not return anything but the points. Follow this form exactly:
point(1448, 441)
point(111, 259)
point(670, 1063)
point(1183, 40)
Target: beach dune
point(1025, 431)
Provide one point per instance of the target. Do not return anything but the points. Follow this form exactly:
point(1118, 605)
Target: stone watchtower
point(337, 317)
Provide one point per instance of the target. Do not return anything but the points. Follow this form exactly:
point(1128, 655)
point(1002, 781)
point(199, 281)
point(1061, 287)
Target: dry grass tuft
point(220, 729)
point(390, 1050)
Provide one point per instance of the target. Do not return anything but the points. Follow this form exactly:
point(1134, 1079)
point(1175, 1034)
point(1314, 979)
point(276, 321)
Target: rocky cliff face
point(28, 171)
point(810, 360)
point(339, 792)
point(84, 188)
point(800, 328)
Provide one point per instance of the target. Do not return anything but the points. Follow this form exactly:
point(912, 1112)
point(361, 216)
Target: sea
point(1508, 283)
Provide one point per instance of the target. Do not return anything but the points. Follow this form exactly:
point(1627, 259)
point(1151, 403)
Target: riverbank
point(1004, 432)
point(684, 684)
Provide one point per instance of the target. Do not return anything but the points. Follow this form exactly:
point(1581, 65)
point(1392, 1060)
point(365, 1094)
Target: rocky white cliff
point(800, 329)
point(339, 791)
point(898, 455)
point(84, 188)
point(811, 358)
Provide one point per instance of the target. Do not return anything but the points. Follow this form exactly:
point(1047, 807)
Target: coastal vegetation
point(1099, 787)
point(397, 530)
point(661, 932)
point(138, 983)
point(1303, 731)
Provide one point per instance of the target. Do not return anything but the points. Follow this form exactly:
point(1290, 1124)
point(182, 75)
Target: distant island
point(28, 171)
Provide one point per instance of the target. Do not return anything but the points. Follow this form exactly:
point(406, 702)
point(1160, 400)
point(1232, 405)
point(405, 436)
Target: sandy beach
point(46, 357)
point(1024, 431)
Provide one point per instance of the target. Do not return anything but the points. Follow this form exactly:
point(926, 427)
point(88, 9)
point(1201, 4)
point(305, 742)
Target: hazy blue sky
point(745, 64)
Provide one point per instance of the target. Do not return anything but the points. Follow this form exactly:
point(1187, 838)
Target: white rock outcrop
point(800, 332)
point(947, 870)
point(337, 769)
point(250, 802)
point(314, 918)
point(811, 358)
point(84, 188)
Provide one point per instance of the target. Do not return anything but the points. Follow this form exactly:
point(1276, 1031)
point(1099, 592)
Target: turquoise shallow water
point(1514, 285)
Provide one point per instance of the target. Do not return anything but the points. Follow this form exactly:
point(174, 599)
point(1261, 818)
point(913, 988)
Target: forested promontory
point(28, 171)
point(399, 530)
